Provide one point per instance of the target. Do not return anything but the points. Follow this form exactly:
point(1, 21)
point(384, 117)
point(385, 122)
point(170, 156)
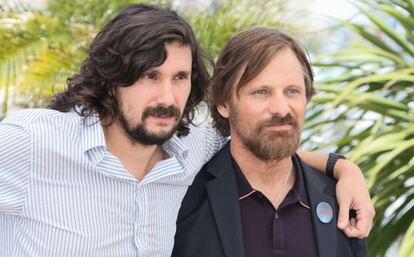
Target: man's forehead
point(271, 77)
point(178, 57)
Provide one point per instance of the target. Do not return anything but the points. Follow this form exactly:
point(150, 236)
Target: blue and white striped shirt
point(63, 194)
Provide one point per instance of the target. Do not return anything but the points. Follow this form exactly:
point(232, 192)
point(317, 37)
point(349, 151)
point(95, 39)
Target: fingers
point(364, 221)
point(360, 226)
point(343, 217)
point(351, 229)
point(352, 194)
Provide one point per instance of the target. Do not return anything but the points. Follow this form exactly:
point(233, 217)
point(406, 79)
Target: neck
point(268, 177)
point(137, 159)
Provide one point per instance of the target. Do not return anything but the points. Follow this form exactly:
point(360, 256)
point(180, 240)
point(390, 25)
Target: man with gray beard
point(256, 197)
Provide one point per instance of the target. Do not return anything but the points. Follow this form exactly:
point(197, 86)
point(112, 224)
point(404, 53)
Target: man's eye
point(181, 77)
point(150, 75)
point(260, 92)
point(293, 91)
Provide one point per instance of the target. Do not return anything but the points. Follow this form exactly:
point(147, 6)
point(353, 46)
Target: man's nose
point(279, 105)
point(166, 94)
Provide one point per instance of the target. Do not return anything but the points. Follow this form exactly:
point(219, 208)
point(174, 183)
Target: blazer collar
point(321, 189)
point(223, 196)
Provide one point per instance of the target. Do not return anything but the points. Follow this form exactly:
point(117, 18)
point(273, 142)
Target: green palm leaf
point(370, 104)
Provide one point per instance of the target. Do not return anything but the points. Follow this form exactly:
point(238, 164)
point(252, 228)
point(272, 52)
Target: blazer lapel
point(326, 234)
point(223, 197)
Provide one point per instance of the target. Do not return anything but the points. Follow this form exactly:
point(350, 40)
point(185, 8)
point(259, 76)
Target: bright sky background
point(334, 8)
point(34, 3)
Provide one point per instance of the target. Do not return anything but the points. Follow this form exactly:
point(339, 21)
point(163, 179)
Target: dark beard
point(139, 132)
point(272, 145)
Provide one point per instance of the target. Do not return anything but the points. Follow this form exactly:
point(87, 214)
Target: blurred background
point(362, 52)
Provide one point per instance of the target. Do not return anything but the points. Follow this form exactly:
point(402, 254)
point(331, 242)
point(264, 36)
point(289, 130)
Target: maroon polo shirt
point(267, 232)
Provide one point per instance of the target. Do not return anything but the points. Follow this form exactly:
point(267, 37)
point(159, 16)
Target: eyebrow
point(186, 73)
point(181, 72)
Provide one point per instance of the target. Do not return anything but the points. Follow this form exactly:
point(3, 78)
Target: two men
point(104, 171)
point(256, 197)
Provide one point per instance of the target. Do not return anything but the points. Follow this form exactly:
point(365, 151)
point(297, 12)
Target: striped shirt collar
point(92, 136)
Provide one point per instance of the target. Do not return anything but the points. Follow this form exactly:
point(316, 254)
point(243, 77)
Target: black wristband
point(330, 165)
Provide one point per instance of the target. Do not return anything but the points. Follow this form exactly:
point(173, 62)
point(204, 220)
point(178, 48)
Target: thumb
point(343, 217)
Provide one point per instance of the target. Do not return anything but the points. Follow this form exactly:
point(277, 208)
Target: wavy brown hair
point(133, 42)
point(243, 58)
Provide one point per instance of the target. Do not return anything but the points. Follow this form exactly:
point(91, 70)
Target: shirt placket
point(279, 238)
point(135, 217)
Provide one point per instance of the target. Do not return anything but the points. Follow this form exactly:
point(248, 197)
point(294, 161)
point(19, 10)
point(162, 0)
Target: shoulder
point(204, 141)
point(196, 194)
point(218, 168)
point(39, 120)
point(202, 132)
point(198, 185)
point(28, 115)
point(315, 176)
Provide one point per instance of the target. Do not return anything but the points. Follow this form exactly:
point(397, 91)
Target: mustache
point(170, 111)
point(276, 120)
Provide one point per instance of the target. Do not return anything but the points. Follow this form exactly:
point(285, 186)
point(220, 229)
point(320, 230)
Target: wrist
point(345, 168)
point(331, 165)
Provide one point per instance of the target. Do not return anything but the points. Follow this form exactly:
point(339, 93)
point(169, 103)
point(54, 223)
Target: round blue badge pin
point(324, 212)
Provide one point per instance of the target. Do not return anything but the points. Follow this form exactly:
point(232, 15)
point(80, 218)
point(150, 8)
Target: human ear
point(223, 109)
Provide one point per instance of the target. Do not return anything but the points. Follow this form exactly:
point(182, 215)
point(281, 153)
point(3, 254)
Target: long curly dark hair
point(131, 43)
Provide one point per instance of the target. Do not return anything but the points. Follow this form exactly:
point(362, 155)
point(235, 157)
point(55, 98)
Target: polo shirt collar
point(298, 190)
point(244, 187)
point(299, 186)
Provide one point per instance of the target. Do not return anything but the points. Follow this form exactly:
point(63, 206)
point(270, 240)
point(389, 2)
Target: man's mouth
point(162, 116)
point(278, 126)
point(279, 123)
point(162, 113)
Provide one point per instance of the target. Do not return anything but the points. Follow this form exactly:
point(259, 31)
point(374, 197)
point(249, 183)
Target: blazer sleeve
point(360, 248)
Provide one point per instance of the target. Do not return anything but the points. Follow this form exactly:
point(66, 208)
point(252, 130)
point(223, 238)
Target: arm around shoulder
point(214, 141)
point(352, 194)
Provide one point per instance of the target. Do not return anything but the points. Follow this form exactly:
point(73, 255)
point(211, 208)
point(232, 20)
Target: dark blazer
point(209, 222)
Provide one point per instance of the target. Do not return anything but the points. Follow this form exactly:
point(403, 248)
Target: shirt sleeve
point(214, 141)
point(15, 159)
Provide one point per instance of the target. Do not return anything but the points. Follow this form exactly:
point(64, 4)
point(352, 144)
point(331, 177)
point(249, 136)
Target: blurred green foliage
point(40, 49)
point(366, 105)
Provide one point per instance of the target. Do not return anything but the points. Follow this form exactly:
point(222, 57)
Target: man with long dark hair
point(104, 170)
